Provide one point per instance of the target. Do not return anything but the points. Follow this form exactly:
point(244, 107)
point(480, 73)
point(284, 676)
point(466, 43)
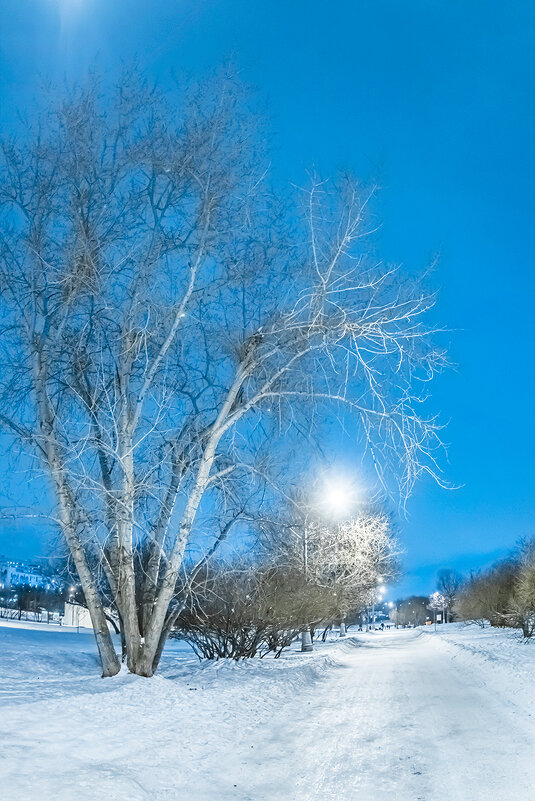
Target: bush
point(248, 611)
point(505, 594)
point(254, 609)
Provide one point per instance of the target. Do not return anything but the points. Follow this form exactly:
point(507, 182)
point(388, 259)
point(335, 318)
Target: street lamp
point(336, 499)
point(338, 496)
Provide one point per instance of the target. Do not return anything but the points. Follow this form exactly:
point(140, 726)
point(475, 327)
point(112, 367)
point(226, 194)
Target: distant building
point(19, 574)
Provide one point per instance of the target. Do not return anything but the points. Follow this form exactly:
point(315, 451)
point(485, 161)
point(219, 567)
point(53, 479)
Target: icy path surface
point(402, 720)
point(403, 716)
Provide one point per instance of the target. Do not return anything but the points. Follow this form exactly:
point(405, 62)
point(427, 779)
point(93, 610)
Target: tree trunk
point(108, 657)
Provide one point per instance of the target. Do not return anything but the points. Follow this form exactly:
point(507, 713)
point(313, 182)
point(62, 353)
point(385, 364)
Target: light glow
point(339, 496)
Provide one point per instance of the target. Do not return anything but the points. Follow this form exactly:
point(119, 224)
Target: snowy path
point(401, 720)
point(386, 717)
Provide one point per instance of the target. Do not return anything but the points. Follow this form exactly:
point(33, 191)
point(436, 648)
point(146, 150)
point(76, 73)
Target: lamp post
point(337, 499)
point(306, 637)
point(437, 602)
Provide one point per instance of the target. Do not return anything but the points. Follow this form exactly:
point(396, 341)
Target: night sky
point(434, 100)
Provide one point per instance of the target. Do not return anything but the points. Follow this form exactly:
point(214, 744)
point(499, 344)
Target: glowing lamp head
point(338, 497)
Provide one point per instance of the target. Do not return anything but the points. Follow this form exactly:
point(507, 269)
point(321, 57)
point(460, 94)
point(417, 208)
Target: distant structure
point(19, 574)
point(76, 615)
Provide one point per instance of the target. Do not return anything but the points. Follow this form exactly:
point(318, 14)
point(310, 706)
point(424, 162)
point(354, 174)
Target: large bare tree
point(167, 320)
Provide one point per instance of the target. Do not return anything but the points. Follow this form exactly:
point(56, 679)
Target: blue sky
point(433, 99)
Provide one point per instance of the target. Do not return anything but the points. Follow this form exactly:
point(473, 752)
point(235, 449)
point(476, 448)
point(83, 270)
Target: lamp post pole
point(306, 638)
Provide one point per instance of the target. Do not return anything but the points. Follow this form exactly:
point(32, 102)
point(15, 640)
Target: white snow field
point(398, 716)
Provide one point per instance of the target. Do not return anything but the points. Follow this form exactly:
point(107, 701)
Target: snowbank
point(502, 655)
point(66, 733)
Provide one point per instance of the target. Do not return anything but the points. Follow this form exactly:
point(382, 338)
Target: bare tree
point(166, 323)
point(350, 557)
point(411, 611)
point(449, 583)
point(523, 598)
point(487, 595)
point(504, 594)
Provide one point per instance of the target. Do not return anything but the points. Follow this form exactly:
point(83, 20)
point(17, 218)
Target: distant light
point(390, 604)
point(382, 589)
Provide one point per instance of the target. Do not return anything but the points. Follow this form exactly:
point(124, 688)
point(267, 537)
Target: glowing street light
point(338, 493)
point(338, 499)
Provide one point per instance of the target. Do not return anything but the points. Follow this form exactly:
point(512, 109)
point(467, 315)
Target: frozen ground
point(401, 716)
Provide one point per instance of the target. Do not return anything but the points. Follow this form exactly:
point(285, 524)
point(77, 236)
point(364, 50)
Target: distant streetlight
point(379, 597)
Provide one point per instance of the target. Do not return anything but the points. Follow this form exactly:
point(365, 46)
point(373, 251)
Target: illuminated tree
point(166, 323)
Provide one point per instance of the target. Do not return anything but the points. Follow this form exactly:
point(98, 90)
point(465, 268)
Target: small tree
point(437, 603)
point(448, 584)
point(523, 597)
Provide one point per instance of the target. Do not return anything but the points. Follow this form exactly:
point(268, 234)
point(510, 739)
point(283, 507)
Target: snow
point(405, 715)
point(506, 659)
